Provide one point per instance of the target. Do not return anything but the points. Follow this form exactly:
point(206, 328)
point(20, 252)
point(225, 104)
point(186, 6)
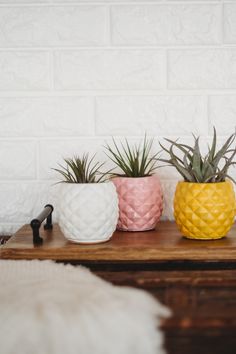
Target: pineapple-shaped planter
point(204, 210)
point(139, 190)
point(88, 205)
point(204, 203)
point(88, 212)
point(140, 202)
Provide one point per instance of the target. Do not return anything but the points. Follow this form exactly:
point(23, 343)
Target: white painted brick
point(109, 69)
point(105, 1)
point(230, 23)
point(202, 69)
point(139, 101)
point(222, 112)
point(6, 2)
point(52, 153)
point(84, 2)
point(24, 70)
point(81, 2)
point(46, 116)
point(158, 115)
point(168, 188)
point(193, 0)
point(17, 160)
point(52, 26)
point(21, 202)
point(166, 24)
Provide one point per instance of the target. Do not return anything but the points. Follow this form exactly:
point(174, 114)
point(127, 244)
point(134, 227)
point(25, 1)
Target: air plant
point(194, 167)
point(81, 170)
point(135, 161)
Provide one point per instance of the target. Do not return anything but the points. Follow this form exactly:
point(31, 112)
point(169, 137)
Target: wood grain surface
point(203, 305)
point(163, 244)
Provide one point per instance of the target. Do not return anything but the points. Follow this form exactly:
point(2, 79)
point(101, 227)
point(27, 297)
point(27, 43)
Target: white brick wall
point(75, 72)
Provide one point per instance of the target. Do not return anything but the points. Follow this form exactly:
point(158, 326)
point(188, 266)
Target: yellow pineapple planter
point(204, 210)
point(204, 203)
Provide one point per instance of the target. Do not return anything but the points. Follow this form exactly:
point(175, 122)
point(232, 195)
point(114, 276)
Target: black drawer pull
point(36, 223)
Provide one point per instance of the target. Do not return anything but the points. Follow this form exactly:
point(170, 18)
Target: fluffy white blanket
point(49, 308)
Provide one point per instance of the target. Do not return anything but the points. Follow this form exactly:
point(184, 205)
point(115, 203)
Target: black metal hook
point(36, 223)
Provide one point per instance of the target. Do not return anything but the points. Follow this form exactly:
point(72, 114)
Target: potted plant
point(139, 190)
point(88, 203)
point(204, 202)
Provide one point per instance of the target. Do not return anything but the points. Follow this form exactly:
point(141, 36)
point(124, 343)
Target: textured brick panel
point(230, 23)
point(52, 26)
point(17, 160)
point(163, 25)
point(17, 207)
point(222, 113)
point(24, 70)
point(202, 69)
point(135, 115)
point(109, 69)
point(46, 116)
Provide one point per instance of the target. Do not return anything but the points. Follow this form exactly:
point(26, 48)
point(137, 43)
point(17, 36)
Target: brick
point(52, 26)
point(17, 207)
point(17, 160)
point(230, 23)
point(24, 70)
point(222, 112)
point(109, 69)
point(166, 24)
point(168, 187)
point(202, 69)
point(46, 116)
point(158, 115)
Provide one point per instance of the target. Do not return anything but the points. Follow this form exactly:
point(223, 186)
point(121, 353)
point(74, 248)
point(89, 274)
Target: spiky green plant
point(194, 167)
point(81, 170)
point(135, 161)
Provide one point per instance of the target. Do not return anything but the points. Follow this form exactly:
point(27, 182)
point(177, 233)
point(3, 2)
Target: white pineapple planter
point(88, 212)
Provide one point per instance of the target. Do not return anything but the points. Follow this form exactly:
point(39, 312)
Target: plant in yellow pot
point(204, 202)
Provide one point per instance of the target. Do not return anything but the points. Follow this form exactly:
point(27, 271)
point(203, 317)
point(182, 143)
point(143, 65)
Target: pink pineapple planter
point(140, 202)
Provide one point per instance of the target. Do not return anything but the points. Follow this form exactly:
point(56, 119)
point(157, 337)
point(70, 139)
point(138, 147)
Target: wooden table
point(196, 279)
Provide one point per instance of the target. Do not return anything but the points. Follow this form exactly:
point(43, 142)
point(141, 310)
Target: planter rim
point(135, 178)
point(83, 184)
point(201, 183)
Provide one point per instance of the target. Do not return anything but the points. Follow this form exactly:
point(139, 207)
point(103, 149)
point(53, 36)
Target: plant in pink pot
point(138, 188)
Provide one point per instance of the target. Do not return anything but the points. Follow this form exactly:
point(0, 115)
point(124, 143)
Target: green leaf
point(194, 167)
point(135, 161)
point(81, 170)
point(213, 146)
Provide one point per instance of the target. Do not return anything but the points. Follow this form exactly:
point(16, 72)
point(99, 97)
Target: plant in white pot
point(139, 190)
point(88, 203)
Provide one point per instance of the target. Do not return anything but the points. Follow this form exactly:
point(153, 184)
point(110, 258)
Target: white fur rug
point(49, 308)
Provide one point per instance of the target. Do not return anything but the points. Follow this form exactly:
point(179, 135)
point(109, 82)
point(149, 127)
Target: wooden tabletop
point(163, 244)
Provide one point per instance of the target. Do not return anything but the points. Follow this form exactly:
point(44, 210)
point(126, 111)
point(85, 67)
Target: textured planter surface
point(88, 212)
point(140, 202)
point(204, 210)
